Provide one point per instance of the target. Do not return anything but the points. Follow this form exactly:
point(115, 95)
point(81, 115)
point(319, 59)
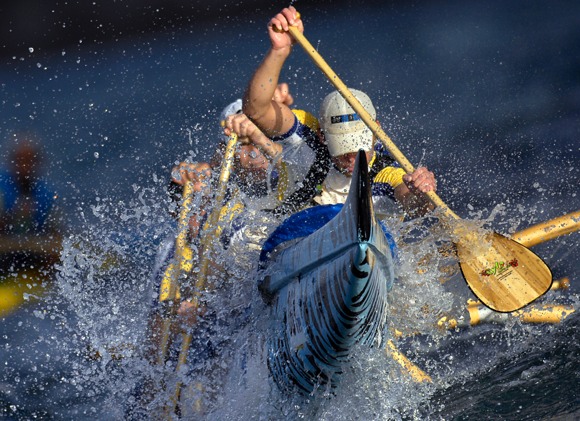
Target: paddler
point(30, 222)
point(254, 176)
point(257, 177)
point(345, 134)
point(341, 130)
point(298, 164)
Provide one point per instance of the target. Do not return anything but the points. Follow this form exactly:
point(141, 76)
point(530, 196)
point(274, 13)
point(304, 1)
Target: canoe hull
point(329, 296)
point(322, 317)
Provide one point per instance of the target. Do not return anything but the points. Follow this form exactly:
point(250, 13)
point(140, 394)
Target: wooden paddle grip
point(278, 30)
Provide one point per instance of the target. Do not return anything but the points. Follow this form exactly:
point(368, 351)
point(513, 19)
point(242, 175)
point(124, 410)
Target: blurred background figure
point(31, 227)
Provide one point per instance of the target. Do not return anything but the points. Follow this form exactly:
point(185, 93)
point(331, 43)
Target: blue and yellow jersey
point(386, 176)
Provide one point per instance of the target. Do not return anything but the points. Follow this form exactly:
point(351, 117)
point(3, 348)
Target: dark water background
point(485, 94)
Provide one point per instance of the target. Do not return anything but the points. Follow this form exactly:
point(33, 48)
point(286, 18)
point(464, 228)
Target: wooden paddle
point(477, 314)
point(545, 231)
point(502, 273)
point(416, 373)
point(168, 290)
point(207, 239)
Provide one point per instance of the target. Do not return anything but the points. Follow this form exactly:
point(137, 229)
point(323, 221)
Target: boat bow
point(329, 293)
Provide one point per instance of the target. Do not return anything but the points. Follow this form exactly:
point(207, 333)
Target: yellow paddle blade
point(502, 273)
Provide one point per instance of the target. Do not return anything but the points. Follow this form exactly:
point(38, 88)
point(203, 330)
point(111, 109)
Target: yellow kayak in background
point(26, 269)
point(20, 288)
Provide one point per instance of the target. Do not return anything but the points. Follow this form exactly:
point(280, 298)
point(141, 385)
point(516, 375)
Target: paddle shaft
point(539, 233)
point(213, 219)
point(180, 243)
point(416, 373)
point(478, 314)
point(207, 240)
point(364, 115)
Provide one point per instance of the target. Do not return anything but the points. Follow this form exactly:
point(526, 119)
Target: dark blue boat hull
point(329, 294)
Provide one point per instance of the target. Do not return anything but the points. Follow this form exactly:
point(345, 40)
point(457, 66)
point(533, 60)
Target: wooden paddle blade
point(505, 276)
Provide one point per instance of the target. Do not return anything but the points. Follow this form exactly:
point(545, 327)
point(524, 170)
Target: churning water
point(486, 95)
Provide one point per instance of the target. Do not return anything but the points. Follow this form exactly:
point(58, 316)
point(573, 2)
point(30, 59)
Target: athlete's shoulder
point(307, 119)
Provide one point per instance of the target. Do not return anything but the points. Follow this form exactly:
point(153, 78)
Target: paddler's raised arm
point(272, 117)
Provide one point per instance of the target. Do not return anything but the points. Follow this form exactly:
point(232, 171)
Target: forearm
point(414, 205)
point(267, 145)
point(272, 118)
